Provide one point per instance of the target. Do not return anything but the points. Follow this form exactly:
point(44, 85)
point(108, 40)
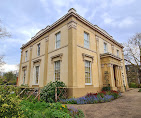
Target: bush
point(48, 92)
point(9, 103)
point(139, 90)
point(108, 88)
point(48, 110)
point(133, 85)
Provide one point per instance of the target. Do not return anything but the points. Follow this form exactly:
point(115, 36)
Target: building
point(133, 74)
point(72, 50)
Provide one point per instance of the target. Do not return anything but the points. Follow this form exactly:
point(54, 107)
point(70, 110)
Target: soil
point(127, 106)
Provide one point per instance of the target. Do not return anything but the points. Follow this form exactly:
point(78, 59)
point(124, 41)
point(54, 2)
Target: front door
point(114, 74)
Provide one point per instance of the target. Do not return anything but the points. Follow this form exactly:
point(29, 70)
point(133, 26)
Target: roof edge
point(71, 12)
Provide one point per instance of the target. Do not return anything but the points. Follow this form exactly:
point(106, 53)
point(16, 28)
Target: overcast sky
point(24, 18)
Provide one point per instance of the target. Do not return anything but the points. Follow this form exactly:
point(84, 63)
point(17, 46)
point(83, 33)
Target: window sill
point(88, 83)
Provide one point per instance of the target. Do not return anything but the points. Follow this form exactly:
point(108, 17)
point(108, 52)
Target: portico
point(112, 70)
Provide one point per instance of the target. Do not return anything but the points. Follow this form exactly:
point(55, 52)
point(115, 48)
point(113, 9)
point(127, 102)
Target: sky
point(24, 18)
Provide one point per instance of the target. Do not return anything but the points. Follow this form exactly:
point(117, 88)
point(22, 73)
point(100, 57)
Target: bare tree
point(132, 52)
point(3, 32)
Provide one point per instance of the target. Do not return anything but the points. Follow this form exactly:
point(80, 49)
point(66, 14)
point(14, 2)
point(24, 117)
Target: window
point(36, 74)
point(24, 75)
point(57, 42)
point(88, 73)
point(86, 40)
point(26, 53)
point(118, 53)
point(57, 70)
point(105, 47)
point(38, 49)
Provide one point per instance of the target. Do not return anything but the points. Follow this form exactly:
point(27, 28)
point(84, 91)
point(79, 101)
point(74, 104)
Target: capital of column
point(31, 48)
point(97, 39)
point(112, 47)
point(109, 65)
point(72, 24)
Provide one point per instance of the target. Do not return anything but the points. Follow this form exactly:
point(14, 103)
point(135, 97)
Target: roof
point(71, 12)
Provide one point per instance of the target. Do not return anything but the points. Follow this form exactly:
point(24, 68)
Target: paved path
point(127, 106)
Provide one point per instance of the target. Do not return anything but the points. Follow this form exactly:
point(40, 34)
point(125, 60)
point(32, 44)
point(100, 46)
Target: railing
point(61, 92)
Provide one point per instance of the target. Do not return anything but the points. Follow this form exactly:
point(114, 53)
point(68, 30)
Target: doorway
point(114, 71)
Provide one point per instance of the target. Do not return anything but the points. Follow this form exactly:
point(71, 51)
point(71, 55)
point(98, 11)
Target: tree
point(3, 33)
point(9, 78)
point(132, 52)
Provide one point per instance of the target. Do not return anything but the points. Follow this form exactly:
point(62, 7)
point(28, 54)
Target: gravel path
point(127, 106)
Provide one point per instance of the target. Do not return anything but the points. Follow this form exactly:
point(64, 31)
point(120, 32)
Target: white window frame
point(86, 41)
point(57, 41)
point(35, 75)
point(88, 72)
point(24, 76)
point(105, 48)
point(117, 53)
point(26, 54)
point(55, 69)
point(38, 51)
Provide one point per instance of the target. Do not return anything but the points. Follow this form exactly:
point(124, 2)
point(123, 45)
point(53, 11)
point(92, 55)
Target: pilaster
point(29, 69)
point(20, 70)
point(46, 61)
point(72, 53)
point(99, 63)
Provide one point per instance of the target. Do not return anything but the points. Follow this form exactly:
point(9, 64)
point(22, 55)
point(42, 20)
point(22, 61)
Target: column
point(98, 63)
point(72, 53)
point(111, 74)
point(124, 71)
point(20, 69)
point(46, 61)
point(29, 69)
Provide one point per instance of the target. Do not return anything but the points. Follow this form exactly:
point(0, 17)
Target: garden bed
point(92, 98)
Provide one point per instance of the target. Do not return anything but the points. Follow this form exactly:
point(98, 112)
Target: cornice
point(64, 18)
point(109, 55)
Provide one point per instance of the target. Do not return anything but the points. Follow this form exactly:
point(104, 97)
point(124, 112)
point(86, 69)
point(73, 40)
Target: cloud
point(117, 21)
point(8, 68)
point(121, 2)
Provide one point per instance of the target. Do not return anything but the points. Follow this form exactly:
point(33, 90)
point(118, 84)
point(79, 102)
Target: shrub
point(48, 110)
point(139, 90)
point(48, 92)
point(108, 88)
point(139, 86)
point(133, 85)
point(9, 103)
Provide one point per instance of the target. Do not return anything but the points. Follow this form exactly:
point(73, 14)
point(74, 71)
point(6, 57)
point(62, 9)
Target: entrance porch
point(112, 71)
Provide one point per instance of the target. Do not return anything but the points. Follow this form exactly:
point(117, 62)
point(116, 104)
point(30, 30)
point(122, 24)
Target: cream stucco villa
point(74, 51)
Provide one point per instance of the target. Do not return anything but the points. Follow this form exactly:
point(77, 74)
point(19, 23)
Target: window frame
point(117, 53)
point(24, 76)
point(35, 74)
point(56, 79)
point(38, 49)
point(90, 63)
point(57, 41)
point(105, 51)
point(86, 42)
point(26, 55)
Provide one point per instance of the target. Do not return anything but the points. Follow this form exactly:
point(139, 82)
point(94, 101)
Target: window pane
point(57, 70)
point(86, 40)
point(87, 72)
point(36, 74)
point(57, 40)
point(38, 50)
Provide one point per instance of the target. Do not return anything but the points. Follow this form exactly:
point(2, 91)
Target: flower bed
point(91, 98)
